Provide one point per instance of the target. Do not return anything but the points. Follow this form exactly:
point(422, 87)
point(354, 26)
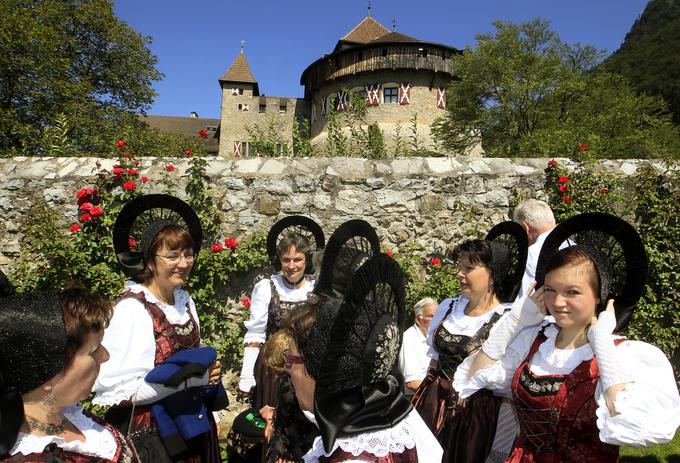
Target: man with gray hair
point(413, 358)
point(537, 219)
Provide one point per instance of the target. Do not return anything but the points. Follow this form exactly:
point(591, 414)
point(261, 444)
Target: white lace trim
point(181, 298)
point(459, 323)
point(117, 393)
point(562, 358)
point(99, 441)
point(396, 439)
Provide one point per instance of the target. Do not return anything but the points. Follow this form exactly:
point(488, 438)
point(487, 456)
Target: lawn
point(667, 453)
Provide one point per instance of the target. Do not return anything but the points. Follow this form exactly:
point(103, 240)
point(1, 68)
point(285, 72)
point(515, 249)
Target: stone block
point(247, 166)
point(267, 205)
point(375, 182)
point(272, 167)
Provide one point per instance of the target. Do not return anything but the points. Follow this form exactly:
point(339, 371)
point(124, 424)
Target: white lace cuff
point(117, 393)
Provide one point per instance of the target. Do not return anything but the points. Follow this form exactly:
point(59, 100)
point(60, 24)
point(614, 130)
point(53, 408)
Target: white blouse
point(648, 408)
point(408, 433)
point(457, 322)
point(130, 341)
point(256, 326)
point(99, 441)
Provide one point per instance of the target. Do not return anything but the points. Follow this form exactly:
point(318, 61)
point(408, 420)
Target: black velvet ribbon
point(11, 417)
point(361, 409)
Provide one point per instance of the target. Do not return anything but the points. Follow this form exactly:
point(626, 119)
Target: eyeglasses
point(290, 359)
point(174, 258)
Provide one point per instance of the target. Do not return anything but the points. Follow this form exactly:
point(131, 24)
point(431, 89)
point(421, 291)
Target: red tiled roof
point(239, 71)
point(366, 31)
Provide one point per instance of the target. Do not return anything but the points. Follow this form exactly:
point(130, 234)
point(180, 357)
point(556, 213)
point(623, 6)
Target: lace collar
point(99, 441)
point(181, 297)
point(562, 358)
point(459, 323)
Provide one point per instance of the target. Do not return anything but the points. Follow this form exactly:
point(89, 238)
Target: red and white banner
point(237, 149)
point(404, 93)
point(372, 94)
point(234, 91)
point(323, 106)
point(245, 107)
point(441, 97)
point(342, 101)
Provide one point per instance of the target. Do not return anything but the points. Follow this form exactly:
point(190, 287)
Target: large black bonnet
point(142, 219)
point(302, 226)
point(617, 251)
point(32, 351)
point(350, 245)
point(509, 247)
point(355, 389)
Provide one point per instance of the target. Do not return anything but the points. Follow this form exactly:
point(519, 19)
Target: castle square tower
point(243, 107)
point(398, 76)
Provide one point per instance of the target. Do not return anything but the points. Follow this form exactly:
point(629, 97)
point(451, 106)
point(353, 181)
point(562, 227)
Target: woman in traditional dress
point(154, 320)
point(50, 354)
point(580, 391)
point(489, 274)
point(343, 373)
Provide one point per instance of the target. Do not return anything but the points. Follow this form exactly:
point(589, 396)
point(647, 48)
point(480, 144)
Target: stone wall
point(435, 202)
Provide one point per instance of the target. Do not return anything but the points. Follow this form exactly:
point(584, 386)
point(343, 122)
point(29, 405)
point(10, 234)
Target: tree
point(529, 94)
point(72, 58)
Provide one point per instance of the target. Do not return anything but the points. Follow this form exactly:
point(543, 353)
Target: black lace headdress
point(350, 245)
point(32, 350)
point(301, 225)
point(353, 350)
point(617, 251)
point(509, 256)
point(142, 219)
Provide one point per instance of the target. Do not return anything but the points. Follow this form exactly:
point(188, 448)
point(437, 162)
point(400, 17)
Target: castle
point(397, 75)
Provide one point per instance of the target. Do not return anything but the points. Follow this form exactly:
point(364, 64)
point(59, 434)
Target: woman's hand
point(538, 297)
point(604, 324)
point(215, 373)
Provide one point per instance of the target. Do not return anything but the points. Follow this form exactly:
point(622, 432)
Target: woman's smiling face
point(570, 297)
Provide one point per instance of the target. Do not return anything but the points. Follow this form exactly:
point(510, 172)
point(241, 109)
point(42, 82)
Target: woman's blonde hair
point(277, 344)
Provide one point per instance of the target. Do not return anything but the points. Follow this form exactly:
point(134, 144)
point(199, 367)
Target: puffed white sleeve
point(256, 325)
point(437, 320)
point(130, 342)
point(649, 407)
point(497, 376)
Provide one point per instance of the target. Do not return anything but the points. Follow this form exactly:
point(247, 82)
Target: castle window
point(263, 107)
point(360, 56)
point(391, 95)
point(240, 107)
point(384, 51)
point(283, 108)
point(240, 91)
point(422, 52)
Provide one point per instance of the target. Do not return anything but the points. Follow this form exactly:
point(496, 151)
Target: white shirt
point(413, 358)
point(130, 341)
point(457, 322)
point(532, 260)
point(649, 407)
point(256, 326)
point(99, 441)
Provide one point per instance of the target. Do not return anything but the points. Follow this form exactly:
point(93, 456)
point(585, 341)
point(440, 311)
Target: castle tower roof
point(239, 72)
point(366, 31)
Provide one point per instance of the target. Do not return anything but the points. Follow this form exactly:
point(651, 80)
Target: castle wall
point(431, 202)
point(235, 118)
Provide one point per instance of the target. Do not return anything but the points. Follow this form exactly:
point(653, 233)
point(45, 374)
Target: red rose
point(566, 199)
point(552, 164)
point(246, 302)
point(125, 155)
point(389, 253)
point(118, 171)
point(584, 146)
point(217, 247)
point(129, 186)
point(132, 242)
point(85, 192)
point(86, 206)
point(144, 179)
point(96, 211)
point(74, 228)
point(604, 191)
point(435, 261)
point(137, 163)
point(203, 133)
point(231, 243)
point(120, 144)
point(170, 168)
point(132, 172)
point(563, 179)
point(563, 188)
point(85, 218)
point(188, 153)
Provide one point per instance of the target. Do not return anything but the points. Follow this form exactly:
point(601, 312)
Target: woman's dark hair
point(578, 256)
point(84, 313)
point(172, 237)
point(494, 256)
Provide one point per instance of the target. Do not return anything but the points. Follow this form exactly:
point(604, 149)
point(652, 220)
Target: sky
point(196, 42)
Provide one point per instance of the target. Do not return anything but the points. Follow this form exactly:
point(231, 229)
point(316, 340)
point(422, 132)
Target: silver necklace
point(47, 428)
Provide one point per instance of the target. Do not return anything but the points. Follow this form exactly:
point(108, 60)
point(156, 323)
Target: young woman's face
point(569, 296)
point(74, 383)
point(171, 267)
point(293, 264)
point(475, 279)
point(303, 383)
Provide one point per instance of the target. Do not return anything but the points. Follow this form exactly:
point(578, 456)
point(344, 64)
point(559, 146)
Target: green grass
point(666, 453)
